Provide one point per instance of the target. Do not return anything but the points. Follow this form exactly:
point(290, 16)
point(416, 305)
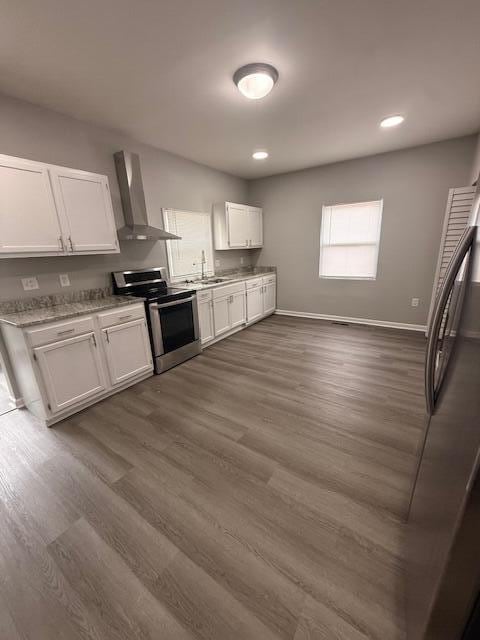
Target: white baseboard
point(367, 321)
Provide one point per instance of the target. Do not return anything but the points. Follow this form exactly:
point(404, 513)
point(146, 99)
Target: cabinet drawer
point(60, 331)
point(228, 290)
point(254, 282)
point(269, 279)
point(203, 296)
point(124, 314)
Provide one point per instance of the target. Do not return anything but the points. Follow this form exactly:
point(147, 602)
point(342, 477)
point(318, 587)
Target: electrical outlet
point(415, 302)
point(242, 260)
point(30, 283)
point(64, 279)
point(217, 263)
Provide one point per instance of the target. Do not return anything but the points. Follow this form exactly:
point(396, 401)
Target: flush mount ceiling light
point(391, 121)
point(260, 155)
point(255, 80)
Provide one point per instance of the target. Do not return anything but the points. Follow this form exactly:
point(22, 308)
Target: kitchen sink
point(213, 280)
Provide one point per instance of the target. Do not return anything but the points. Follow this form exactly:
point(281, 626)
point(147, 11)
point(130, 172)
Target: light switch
point(415, 302)
point(64, 279)
point(30, 283)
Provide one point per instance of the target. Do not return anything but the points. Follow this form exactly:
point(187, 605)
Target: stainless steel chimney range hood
point(133, 201)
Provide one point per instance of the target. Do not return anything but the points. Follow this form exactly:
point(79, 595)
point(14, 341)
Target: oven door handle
point(171, 304)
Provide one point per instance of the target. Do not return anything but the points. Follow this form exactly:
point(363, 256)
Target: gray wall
point(32, 132)
point(414, 184)
point(476, 163)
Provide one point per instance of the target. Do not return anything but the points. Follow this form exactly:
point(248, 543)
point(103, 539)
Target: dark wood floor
point(254, 493)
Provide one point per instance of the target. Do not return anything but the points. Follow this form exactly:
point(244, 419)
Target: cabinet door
point(255, 224)
point(86, 213)
point(238, 313)
point(71, 371)
point(237, 222)
point(269, 297)
point(221, 315)
point(28, 216)
point(205, 317)
point(128, 352)
point(254, 303)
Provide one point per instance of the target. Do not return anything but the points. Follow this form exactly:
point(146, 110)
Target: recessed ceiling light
point(391, 121)
point(260, 155)
point(255, 80)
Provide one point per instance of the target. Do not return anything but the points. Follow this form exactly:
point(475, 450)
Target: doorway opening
point(7, 385)
point(6, 401)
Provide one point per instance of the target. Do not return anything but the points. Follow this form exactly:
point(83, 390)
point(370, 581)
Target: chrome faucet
point(203, 262)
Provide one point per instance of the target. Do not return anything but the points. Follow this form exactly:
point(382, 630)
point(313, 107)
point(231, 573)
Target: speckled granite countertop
point(229, 277)
point(52, 313)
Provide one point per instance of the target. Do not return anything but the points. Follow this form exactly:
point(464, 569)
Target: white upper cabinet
point(28, 216)
point(255, 224)
point(85, 208)
point(50, 210)
point(237, 226)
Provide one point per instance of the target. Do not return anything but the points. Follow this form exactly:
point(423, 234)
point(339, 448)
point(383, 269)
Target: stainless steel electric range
point(172, 314)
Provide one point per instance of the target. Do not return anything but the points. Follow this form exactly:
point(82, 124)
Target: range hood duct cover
point(129, 176)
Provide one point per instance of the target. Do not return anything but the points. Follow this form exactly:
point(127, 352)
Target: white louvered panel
point(457, 213)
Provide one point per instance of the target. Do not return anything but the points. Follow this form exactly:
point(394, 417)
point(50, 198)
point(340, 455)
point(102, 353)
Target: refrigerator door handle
point(458, 257)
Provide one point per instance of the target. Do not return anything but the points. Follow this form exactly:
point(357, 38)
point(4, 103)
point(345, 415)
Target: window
point(349, 240)
point(185, 255)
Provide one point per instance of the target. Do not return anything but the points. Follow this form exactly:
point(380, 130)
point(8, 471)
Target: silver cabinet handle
point(94, 340)
point(71, 243)
point(125, 317)
point(458, 257)
point(107, 336)
point(64, 332)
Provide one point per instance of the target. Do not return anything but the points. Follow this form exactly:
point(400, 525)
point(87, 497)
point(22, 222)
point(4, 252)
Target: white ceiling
point(161, 71)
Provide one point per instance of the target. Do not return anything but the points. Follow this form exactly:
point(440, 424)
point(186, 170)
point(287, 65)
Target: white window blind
point(349, 240)
point(185, 255)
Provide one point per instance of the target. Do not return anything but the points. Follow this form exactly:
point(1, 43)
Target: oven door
point(174, 324)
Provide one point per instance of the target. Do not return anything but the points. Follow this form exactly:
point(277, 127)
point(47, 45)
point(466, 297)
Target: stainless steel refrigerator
point(443, 530)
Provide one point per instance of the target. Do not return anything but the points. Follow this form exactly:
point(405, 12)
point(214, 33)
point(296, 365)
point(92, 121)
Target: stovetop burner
point(147, 283)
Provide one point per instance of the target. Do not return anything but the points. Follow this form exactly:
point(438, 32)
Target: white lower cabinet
point(127, 349)
point(227, 307)
point(269, 297)
point(205, 319)
point(238, 315)
point(62, 367)
point(221, 315)
point(71, 371)
point(254, 303)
